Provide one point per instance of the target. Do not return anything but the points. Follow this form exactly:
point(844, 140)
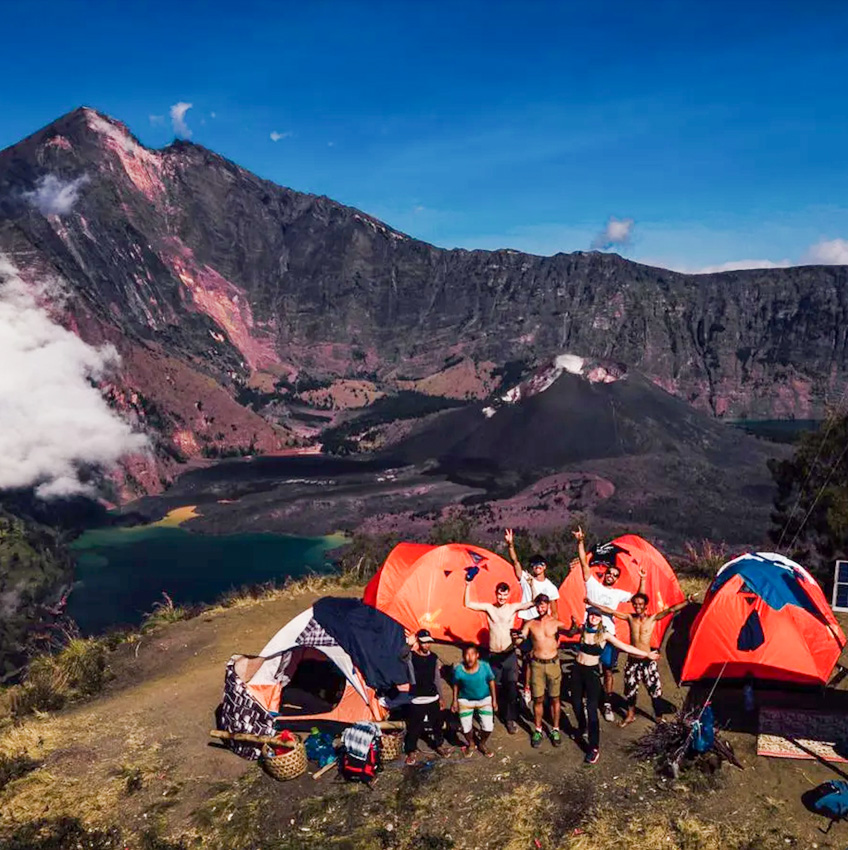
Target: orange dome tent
point(766, 616)
point(422, 587)
point(630, 553)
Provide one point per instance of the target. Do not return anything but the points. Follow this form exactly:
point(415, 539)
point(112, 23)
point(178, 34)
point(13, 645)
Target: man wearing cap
point(605, 595)
point(425, 707)
point(502, 657)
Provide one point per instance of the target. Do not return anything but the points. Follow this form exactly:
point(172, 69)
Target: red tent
point(766, 616)
point(631, 553)
point(422, 587)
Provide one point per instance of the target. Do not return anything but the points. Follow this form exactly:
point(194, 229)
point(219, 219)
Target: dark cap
point(593, 610)
point(536, 560)
point(423, 636)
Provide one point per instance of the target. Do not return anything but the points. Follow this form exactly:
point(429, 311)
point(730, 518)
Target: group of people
point(524, 645)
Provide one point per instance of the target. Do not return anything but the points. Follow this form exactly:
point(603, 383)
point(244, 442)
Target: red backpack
point(361, 758)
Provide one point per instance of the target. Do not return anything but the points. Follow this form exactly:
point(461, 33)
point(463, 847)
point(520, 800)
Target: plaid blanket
point(357, 739)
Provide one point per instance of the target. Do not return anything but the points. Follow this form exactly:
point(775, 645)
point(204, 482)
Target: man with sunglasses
point(606, 595)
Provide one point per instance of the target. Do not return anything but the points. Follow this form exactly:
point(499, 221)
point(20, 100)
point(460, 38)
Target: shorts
point(482, 708)
point(545, 677)
point(609, 657)
point(641, 670)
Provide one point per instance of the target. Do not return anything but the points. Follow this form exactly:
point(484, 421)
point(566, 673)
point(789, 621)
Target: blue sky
point(719, 129)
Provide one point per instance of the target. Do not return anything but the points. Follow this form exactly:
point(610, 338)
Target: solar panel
point(840, 586)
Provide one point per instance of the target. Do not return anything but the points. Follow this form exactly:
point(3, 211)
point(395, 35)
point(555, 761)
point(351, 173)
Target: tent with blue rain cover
point(764, 616)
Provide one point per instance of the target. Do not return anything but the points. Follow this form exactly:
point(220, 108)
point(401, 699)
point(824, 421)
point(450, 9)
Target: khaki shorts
point(545, 677)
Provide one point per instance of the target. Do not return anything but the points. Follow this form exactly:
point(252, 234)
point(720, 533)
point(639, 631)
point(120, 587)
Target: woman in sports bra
point(586, 678)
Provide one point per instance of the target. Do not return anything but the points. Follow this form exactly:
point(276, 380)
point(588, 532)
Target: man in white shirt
point(605, 594)
point(533, 582)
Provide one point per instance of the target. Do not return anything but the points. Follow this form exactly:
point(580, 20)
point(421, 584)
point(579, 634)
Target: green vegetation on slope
point(33, 565)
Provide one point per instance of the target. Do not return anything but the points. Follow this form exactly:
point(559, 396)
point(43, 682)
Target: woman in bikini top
point(593, 639)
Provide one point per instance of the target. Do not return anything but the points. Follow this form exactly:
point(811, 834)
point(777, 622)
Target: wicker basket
point(392, 745)
point(289, 765)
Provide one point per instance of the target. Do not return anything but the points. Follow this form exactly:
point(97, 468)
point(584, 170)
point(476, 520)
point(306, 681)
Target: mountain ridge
point(213, 282)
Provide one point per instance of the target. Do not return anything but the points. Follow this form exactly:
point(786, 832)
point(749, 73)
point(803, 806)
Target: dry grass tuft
point(657, 830)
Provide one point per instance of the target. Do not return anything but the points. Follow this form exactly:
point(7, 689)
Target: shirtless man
point(606, 596)
point(502, 659)
point(545, 670)
point(532, 584)
point(642, 669)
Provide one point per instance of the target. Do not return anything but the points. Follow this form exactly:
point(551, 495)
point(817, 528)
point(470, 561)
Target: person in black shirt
point(425, 707)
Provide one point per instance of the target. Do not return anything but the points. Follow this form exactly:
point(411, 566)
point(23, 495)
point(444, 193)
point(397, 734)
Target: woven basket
point(392, 745)
point(289, 765)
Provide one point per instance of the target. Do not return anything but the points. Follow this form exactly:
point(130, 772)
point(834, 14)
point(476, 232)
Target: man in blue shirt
point(474, 693)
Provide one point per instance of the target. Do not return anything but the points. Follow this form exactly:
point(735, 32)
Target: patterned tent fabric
point(240, 712)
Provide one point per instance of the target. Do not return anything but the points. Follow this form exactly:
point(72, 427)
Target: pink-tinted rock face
point(182, 252)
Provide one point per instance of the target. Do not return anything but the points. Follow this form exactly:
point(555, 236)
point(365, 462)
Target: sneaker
point(556, 738)
point(592, 757)
point(536, 739)
point(443, 751)
point(607, 712)
point(511, 727)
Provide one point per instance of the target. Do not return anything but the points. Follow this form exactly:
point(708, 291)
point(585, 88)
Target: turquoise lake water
point(122, 572)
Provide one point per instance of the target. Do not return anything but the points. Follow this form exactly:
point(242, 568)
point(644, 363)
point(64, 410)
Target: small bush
point(14, 767)
point(165, 612)
point(704, 559)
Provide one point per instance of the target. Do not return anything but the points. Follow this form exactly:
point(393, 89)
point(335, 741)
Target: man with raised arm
point(532, 584)
point(502, 658)
point(545, 669)
point(604, 594)
point(643, 669)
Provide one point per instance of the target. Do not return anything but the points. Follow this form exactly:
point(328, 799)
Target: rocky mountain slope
point(227, 295)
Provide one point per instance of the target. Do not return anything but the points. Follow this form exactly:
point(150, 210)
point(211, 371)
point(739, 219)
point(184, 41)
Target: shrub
point(704, 559)
point(165, 612)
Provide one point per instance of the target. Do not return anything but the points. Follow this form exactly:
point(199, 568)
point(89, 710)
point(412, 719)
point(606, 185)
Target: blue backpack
point(703, 731)
point(831, 799)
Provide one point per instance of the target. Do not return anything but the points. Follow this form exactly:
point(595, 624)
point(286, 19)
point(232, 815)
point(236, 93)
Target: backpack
point(361, 759)
point(831, 799)
point(703, 731)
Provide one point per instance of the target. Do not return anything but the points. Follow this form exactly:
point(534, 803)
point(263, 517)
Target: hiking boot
point(511, 727)
point(607, 713)
point(536, 739)
point(556, 738)
point(592, 757)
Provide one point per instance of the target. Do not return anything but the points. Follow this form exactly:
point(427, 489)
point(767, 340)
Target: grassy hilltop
point(132, 768)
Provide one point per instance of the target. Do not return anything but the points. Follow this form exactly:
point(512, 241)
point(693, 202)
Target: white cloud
point(828, 252)
point(54, 424)
point(178, 113)
point(157, 119)
point(275, 136)
point(730, 266)
point(53, 195)
point(617, 232)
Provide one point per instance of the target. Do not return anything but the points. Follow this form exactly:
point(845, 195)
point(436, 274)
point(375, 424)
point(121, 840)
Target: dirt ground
point(140, 755)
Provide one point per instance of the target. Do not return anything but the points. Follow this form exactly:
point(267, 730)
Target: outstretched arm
point(632, 650)
point(580, 537)
point(474, 606)
point(643, 574)
point(572, 630)
point(673, 609)
point(509, 537)
point(604, 610)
